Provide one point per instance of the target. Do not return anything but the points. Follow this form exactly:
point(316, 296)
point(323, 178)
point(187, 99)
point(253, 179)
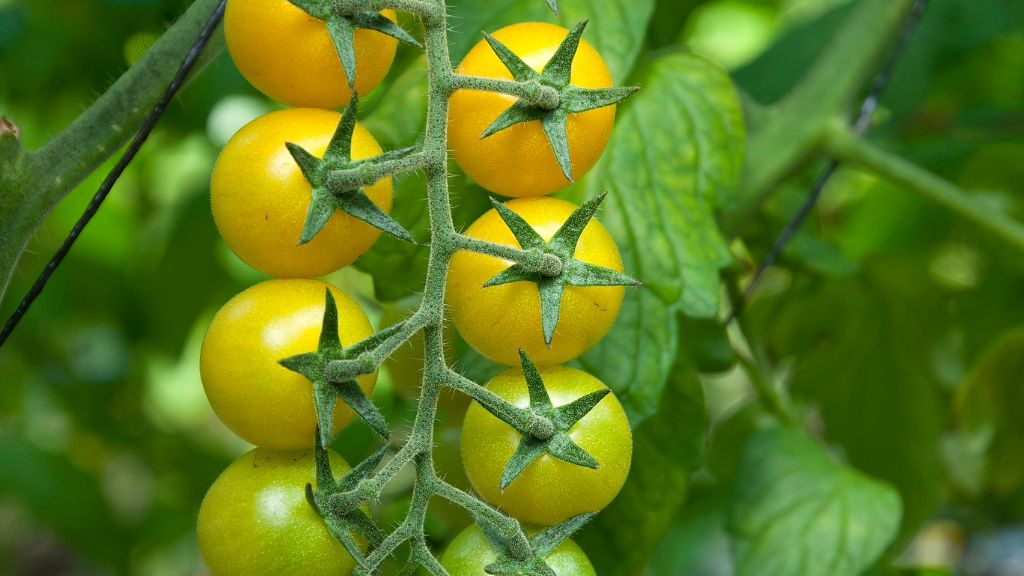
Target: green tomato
point(549, 490)
point(470, 552)
point(255, 519)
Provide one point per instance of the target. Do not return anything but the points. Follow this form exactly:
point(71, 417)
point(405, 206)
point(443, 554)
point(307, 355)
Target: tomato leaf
point(797, 511)
point(675, 155)
point(988, 405)
point(667, 448)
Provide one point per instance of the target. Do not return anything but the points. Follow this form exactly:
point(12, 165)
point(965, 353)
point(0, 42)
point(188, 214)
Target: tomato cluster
point(268, 193)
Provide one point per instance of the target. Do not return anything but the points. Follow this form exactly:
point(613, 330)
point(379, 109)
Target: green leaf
point(796, 511)
point(988, 405)
point(667, 448)
point(617, 29)
point(675, 155)
point(880, 327)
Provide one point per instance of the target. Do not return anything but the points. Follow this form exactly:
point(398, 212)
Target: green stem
point(533, 92)
point(38, 180)
point(427, 10)
point(369, 173)
point(789, 132)
point(524, 421)
point(849, 148)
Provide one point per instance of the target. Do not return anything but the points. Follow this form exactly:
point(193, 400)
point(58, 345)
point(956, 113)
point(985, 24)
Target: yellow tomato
point(255, 519)
point(549, 490)
point(257, 398)
point(518, 161)
point(260, 197)
point(499, 320)
point(288, 54)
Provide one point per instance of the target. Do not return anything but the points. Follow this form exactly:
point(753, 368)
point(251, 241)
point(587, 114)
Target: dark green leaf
point(988, 404)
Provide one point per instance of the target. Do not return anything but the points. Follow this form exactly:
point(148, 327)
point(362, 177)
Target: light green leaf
point(675, 155)
point(796, 511)
point(616, 28)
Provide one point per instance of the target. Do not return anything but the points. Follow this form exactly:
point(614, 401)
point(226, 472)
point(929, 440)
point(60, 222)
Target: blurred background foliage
point(900, 324)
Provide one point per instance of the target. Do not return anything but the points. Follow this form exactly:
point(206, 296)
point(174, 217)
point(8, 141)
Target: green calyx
point(551, 265)
point(342, 25)
point(542, 544)
point(313, 365)
point(552, 113)
point(338, 181)
point(342, 523)
point(549, 431)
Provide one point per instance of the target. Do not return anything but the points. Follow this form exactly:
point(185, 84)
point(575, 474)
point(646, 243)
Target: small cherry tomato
point(257, 398)
point(518, 161)
point(288, 54)
point(470, 552)
point(255, 519)
point(498, 321)
point(260, 197)
point(549, 490)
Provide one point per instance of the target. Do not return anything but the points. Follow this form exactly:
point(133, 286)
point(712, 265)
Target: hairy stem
point(40, 179)
point(532, 92)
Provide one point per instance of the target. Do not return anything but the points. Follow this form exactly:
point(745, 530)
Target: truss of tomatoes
point(274, 205)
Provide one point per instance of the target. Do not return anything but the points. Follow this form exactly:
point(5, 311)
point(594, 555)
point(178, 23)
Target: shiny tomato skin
point(518, 161)
point(549, 490)
point(255, 519)
point(263, 402)
point(470, 552)
point(288, 54)
point(498, 321)
point(260, 197)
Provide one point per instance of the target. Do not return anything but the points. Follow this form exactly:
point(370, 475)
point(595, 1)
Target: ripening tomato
point(257, 398)
point(518, 161)
point(288, 54)
point(260, 197)
point(255, 519)
point(470, 552)
point(549, 490)
point(498, 321)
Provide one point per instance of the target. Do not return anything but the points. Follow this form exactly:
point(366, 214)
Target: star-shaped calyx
point(342, 523)
point(328, 196)
point(556, 440)
point(543, 543)
point(556, 267)
point(313, 365)
point(572, 99)
point(342, 29)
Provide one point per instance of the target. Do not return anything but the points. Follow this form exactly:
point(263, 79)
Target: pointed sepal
point(518, 113)
point(528, 237)
point(342, 32)
point(521, 71)
point(380, 23)
point(558, 70)
point(555, 125)
point(575, 100)
point(358, 205)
